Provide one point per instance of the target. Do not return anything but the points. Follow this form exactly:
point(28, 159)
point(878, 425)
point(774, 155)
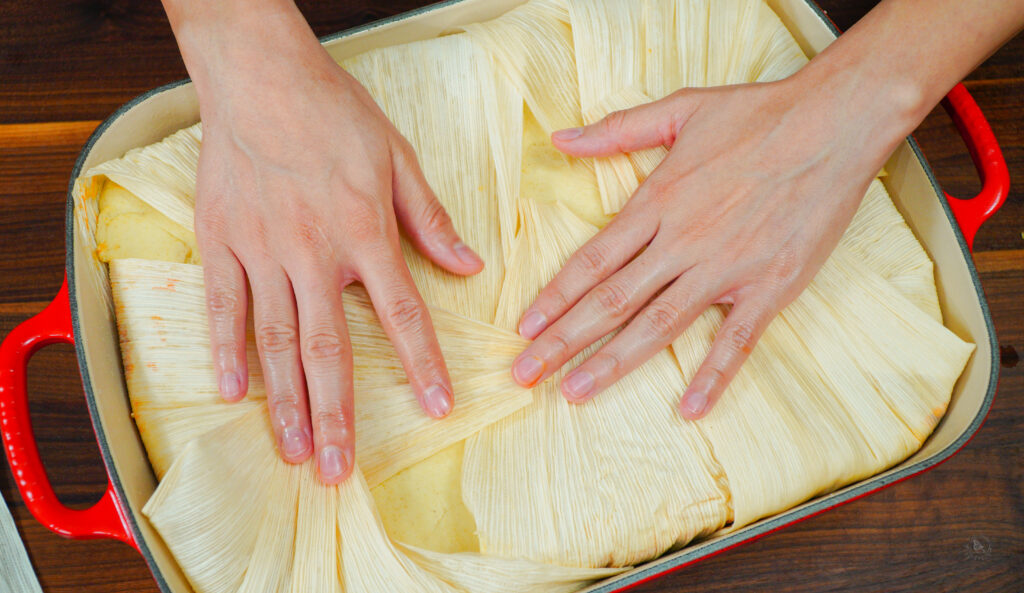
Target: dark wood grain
point(66, 65)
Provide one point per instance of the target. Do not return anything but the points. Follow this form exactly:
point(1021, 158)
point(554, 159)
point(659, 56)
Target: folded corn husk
point(162, 175)
point(837, 389)
point(492, 574)
point(533, 45)
point(172, 384)
point(237, 517)
point(609, 483)
point(462, 169)
point(880, 238)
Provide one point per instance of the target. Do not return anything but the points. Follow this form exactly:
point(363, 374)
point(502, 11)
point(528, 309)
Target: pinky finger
point(735, 341)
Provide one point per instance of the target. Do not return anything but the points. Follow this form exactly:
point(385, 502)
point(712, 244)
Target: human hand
point(302, 182)
point(758, 186)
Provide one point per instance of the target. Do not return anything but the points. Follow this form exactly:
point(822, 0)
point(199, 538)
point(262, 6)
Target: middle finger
point(599, 312)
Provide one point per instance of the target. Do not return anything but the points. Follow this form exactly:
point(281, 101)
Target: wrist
point(234, 47)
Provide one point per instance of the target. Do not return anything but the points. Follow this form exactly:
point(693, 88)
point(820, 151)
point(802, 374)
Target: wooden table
point(64, 66)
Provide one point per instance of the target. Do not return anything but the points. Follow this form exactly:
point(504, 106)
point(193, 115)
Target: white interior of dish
point(165, 112)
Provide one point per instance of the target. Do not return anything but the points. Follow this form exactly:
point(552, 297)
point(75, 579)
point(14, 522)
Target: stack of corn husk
point(518, 490)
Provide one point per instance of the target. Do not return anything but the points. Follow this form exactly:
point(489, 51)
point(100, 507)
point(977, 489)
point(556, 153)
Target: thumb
point(629, 130)
point(424, 219)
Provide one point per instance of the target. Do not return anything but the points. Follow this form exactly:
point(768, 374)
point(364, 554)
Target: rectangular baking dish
point(79, 316)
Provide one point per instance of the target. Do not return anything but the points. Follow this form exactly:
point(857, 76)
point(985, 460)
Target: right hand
point(302, 184)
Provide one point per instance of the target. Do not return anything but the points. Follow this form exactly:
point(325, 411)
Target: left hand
point(758, 186)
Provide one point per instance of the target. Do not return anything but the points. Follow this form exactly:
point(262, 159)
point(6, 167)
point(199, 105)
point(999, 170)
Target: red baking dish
point(79, 314)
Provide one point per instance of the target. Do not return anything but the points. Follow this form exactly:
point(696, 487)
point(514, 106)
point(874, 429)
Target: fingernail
point(579, 385)
point(695, 403)
point(465, 254)
point(532, 324)
point(294, 442)
point(230, 386)
point(567, 134)
point(527, 370)
point(437, 401)
point(333, 463)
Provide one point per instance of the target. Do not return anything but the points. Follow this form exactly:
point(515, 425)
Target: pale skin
point(304, 187)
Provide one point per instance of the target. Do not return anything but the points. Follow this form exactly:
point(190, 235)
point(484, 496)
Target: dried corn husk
point(165, 347)
point(609, 41)
point(533, 45)
point(883, 242)
point(550, 175)
point(371, 562)
point(162, 175)
point(542, 485)
point(208, 508)
point(234, 514)
point(492, 574)
point(270, 566)
point(430, 90)
point(871, 394)
point(748, 43)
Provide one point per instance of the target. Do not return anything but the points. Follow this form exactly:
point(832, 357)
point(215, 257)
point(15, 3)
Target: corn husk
point(543, 486)
point(609, 41)
point(430, 90)
point(550, 175)
point(748, 43)
point(235, 515)
point(493, 574)
point(162, 175)
point(209, 505)
point(883, 242)
point(165, 347)
point(533, 45)
point(872, 395)
point(371, 562)
point(270, 566)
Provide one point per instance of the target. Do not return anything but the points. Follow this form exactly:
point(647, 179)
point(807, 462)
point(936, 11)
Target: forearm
point(227, 40)
point(898, 62)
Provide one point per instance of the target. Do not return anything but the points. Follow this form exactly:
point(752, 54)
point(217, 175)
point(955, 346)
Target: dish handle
point(988, 159)
point(105, 519)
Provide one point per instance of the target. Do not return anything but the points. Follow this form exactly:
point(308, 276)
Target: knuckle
point(663, 319)
point(276, 337)
point(615, 122)
point(435, 217)
point(404, 314)
point(594, 259)
point(558, 345)
point(211, 222)
point(322, 346)
point(283, 403)
point(223, 302)
point(310, 236)
point(741, 335)
point(612, 298)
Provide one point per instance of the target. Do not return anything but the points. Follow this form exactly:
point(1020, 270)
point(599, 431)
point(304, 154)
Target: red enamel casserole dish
point(945, 225)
